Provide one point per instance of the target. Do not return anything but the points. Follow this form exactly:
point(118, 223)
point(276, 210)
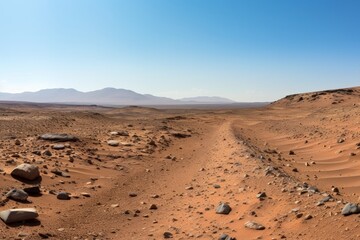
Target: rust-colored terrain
point(169, 169)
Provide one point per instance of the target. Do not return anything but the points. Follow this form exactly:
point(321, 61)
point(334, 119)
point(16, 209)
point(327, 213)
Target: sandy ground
point(185, 162)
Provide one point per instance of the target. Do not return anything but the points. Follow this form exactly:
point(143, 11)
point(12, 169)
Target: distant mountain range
point(106, 96)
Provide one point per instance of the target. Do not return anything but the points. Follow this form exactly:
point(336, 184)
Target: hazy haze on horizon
point(243, 50)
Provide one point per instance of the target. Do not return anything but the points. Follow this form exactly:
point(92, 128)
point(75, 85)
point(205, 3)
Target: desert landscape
point(179, 119)
point(288, 170)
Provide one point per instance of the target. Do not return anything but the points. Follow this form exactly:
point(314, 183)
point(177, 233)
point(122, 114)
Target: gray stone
point(58, 146)
point(47, 153)
point(123, 133)
point(58, 172)
point(17, 195)
point(63, 196)
point(223, 208)
point(261, 195)
point(120, 133)
point(324, 200)
point(18, 215)
point(26, 171)
point(113, 143)
point(226, 237)
point(312, 189)
point(254, 225)
point(62, 137)
point(350, 208)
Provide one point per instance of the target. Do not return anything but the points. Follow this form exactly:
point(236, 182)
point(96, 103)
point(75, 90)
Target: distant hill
point(321, 98)
point(106, 96)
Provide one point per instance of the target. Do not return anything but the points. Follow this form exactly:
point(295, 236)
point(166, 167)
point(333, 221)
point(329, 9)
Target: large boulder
point(350, 208)
point(26, 171)
point(59, 137)
point(18, 215)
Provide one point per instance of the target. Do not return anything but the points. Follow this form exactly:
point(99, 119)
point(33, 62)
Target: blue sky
point(253, 50)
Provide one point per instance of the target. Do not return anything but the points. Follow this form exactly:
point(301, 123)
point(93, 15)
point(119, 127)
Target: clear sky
point(253, 50)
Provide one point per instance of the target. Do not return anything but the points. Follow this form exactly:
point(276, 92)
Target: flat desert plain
point(285, 171)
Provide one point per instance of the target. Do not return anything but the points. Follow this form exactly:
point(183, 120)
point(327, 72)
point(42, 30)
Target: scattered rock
point(226, 237)
point(62, 137)
point(47, 153)
point(58, 172)
point(33, 190)
point(22, 235)
point(18, 215)
point(153, 207)
point(17, 195)
point(58, 146)
point(168, 235)
point(45, 235)
point(223, 208)
point(85, 194)
point(36, 152)
point(324, 200)
point(180, 134)
point(26, 171)
point(261, 195)
point(312, 189)
point(123, 133)
point(254, 225)
point(308, 217)
point(335, 189)
point(63, 196)
point(132, 194)
point(113, 143)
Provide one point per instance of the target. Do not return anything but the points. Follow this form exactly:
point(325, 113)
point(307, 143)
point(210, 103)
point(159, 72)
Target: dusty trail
point(216, 157)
